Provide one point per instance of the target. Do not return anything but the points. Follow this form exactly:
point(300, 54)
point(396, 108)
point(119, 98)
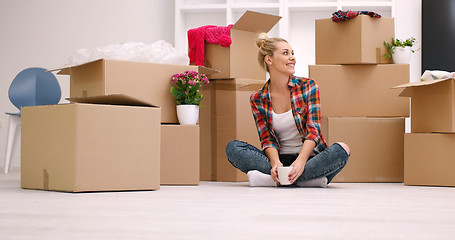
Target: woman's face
point(283, 59)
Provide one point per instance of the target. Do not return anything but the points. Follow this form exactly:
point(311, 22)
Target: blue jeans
point(328, 163)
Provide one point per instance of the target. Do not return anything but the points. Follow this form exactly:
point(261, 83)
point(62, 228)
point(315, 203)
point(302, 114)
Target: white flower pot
point(402, 55)
point(188, 114)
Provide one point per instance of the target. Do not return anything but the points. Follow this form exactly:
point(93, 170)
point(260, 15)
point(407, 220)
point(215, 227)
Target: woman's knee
point(345, 147)
point(232, 146)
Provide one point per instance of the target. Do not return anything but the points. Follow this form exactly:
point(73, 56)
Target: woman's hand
point(274, 171)
point(297, 170)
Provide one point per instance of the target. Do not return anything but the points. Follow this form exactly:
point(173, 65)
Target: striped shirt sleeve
point(266, 138)
point(313, 122)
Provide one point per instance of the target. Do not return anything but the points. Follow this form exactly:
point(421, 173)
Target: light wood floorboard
point(220, 210)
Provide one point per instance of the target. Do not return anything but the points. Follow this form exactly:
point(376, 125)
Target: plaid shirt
point(305, 109)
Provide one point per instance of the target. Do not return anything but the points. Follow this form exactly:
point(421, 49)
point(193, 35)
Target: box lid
point(113, 99)
point(256, 22)
point(408, 86)
point(65, 69)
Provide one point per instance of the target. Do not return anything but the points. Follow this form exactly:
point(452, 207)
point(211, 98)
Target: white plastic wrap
point(157, 52)
point(436, 74)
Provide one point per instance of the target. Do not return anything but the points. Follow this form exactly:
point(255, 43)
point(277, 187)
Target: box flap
point(65, 69)
point(256, 22)
point(113, 99)
point(240, 84)
point(407, 86)
point(207, 71)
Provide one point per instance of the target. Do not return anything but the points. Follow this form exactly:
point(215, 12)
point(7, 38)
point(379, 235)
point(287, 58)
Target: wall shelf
point(297, 22)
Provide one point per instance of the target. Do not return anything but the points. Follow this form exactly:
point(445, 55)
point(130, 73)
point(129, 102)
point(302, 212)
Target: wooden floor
point(217, 210)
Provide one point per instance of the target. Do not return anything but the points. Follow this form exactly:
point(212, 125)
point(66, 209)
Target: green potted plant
point(400, 50)
point(185, 89)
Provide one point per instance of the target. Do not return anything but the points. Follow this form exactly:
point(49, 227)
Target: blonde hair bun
point(262, 37)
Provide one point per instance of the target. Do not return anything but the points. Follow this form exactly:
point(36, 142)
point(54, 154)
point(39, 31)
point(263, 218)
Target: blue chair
point(31, 87)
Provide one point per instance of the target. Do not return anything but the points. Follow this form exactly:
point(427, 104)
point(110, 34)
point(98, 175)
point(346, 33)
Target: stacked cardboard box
point(112, 136)
point(227, 112)
point(357, 105)
point(428, 149)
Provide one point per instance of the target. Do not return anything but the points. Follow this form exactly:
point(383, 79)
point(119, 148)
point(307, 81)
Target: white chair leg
point(14, 121)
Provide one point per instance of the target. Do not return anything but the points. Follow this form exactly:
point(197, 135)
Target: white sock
point(317, 182)
point(259, 179)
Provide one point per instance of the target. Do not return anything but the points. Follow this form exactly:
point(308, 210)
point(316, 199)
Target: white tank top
point(287, 133)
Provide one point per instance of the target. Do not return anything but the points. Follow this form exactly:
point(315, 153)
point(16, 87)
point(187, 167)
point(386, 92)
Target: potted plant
point(186, 92)
point(400, 50)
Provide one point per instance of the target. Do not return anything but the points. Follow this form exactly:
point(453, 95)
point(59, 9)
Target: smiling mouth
point(291, 64)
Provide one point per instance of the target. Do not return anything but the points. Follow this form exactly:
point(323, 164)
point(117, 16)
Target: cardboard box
point(234, 121)
point(90, 147)
point(429, 159)
point(376, 147)
point(361, 90)
point(149, 82)
point(226, 116)
point(179, 154)
point(432, 105)
point(357, 41)
point(240, 59)
point(207, 132)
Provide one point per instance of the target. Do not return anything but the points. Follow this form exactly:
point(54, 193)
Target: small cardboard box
point(361, 90)
point(429, 159)
point(90, 147)
point(432, 105)
point(240, 59)
point(376, 147)
point(357, 41)
point(149, 82)
point(179, 154)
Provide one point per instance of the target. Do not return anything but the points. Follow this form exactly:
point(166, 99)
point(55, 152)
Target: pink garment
point(212, 34)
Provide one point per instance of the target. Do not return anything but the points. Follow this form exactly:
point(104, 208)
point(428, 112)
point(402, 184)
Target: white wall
point(45, 33)
point(408, 24)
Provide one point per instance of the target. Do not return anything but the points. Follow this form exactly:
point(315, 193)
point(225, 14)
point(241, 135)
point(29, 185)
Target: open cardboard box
point(240, 59)
point(432, 105)
point(84, 147)
point(148, 82)
point(376, 145)
point(361, 90)
point(359, 40)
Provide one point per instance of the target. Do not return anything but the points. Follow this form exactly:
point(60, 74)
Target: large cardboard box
point(432, 105)
point(149, 82)
point(361, 90)
point(376, 147)
point(179, 154)
point(90, 147)
point(240, 59)
point(357, 41)
point(429, 159)
point(234, 120)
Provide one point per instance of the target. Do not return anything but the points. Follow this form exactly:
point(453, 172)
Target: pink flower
point(186, 92)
